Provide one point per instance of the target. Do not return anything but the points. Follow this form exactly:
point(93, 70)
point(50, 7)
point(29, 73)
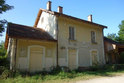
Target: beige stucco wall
point(48, 23)
point(22, 60)
point(82, 43)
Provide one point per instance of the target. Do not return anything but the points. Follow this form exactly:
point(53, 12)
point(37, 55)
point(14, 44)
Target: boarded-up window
point(23, 51)
point(93, 37)
point(49, 53)
point(71, 33)
point(94, 58)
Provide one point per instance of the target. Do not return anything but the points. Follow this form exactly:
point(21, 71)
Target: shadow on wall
point(112, 57)
point(121, 61)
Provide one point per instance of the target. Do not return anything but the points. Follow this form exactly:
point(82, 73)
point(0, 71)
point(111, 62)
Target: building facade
point(55, 39)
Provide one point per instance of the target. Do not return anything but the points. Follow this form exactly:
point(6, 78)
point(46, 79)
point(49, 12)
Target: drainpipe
point(104, 54)
point(57, 45)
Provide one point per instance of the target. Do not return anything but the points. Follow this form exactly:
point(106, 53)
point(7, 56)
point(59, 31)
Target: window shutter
point(93, 37)
point(71, 33)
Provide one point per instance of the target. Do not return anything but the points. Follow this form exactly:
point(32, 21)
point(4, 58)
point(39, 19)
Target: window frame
point(93, 40)
point(72, 32)
point(91, 56)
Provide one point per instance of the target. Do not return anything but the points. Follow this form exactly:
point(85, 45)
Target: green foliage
point(112, 36)
point(3, 8)
point(4, 61)
point(5, 74)
point(60, 75)
point(2, 26)
point(120, 37)
point(121, 31)
point(3, 57)
point(2, 49)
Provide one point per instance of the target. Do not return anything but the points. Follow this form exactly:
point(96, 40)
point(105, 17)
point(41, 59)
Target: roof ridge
point(56, 13)
point(113, 41)
point(20, 24)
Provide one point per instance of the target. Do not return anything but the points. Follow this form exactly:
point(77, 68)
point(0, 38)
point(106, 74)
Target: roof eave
point(6, 41)
point(38, 17)
point(18, 37)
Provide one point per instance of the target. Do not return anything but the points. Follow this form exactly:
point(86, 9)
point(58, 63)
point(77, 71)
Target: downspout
point(104, 54)
point(15, 54)
point(57, 45)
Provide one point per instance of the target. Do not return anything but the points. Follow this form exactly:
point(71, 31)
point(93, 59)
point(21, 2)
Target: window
point(22, 51)
point(49, 53)
point(93, 37)
point(71, 33)
point(94, 58)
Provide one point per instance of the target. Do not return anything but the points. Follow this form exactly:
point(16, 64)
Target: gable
point(48, 22)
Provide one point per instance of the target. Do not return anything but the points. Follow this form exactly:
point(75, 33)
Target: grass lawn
point(64, 77)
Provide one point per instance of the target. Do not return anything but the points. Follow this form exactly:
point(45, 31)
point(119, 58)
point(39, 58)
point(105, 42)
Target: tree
point(111, 36)
point(2, 49)
point(3, 56)
point(114, 37)
point(121, 31)
point(3, 8)
point(120, 37)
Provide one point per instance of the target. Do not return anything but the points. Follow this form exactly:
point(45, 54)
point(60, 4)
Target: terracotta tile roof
point(61, 14)
point(22, 31)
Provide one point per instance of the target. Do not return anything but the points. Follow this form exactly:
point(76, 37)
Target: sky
point(106, 12)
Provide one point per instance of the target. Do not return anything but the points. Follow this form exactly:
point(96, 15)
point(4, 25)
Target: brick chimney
point(90, 18)
point(49, 5)
point(60, 9)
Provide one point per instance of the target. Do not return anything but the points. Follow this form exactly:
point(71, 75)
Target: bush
point(2, 49)
point(5, 72)
point(56, 70)
point(4, 61)
point(2, 68)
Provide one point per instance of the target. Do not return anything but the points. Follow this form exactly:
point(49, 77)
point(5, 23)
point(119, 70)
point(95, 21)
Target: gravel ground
point(114, 79)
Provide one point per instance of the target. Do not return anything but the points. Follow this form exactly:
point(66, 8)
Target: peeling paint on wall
point(82, 43)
